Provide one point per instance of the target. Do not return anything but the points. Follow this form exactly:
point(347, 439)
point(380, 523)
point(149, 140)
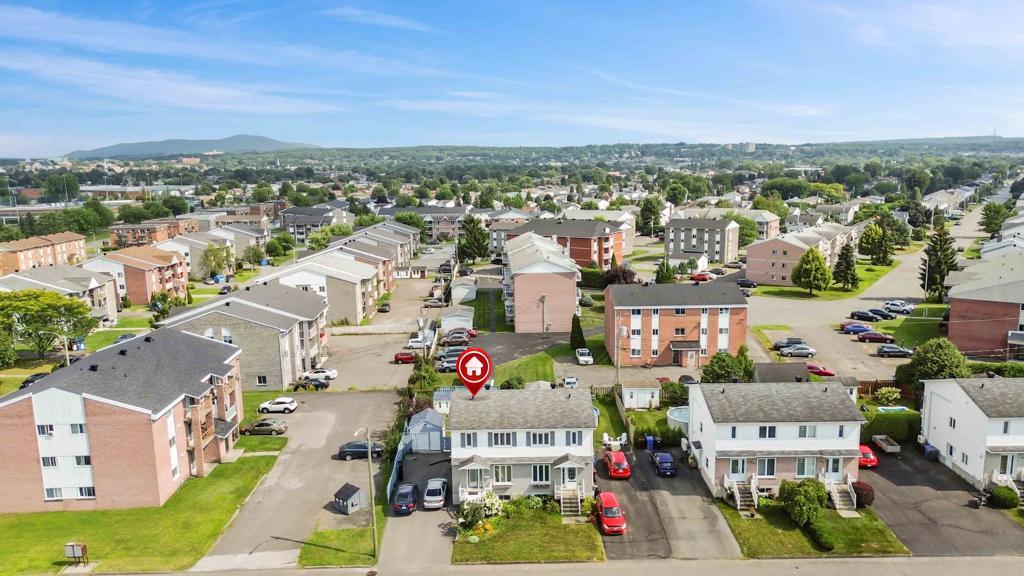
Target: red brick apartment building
point(986, 309)
point(151, 231)
point(588, 241)
point(121, 428)
point(48, 250)
point(673, 324)
point(142, 271)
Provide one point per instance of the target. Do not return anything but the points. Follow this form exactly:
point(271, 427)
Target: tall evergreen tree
point(28, 225)
point(576, 338)
point(664, 274)
point(939, 261)
point(475, 243)
point(811, 272)
point(844, 272)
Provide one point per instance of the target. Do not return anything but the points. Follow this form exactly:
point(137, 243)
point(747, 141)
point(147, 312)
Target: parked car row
point(407, 496)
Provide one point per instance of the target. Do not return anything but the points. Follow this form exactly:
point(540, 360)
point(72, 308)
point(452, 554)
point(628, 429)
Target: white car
point(428, 250)
point(899, 306)
point(583, 357)
point(282, 404)
point(435, 493)
point(416, 343)
point(321, 374)
point(571, 382)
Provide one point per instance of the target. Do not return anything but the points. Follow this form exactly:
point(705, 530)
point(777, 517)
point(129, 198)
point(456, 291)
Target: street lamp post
point(369, 466)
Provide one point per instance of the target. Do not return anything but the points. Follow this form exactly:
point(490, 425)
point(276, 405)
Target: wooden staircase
point(744, 499)
point(570, 501)
point(842, 501)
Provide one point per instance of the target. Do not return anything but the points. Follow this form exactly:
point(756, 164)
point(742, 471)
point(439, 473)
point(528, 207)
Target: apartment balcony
point(207, 433)
point(231, 412)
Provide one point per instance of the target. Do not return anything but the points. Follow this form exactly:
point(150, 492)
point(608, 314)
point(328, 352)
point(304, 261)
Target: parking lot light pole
point(373, 504)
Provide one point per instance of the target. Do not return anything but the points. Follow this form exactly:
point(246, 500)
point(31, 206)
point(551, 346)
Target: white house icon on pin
point(474, 367)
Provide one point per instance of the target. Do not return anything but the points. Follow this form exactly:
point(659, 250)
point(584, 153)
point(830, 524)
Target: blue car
point(664, 463)
point(856, 329)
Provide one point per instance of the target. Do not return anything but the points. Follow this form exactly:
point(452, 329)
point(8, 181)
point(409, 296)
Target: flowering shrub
point(887, 395)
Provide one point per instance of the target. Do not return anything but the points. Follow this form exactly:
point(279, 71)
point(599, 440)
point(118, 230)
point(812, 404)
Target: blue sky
point(370, 73)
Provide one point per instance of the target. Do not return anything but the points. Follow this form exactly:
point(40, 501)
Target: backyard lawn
point(537, 366)
point(165, 539)
point(133, 322)
point(608, 420)
point(593, 315)
point(651, 419)
point(103, 338)
point(482, 312)
point(774, 535)
point(9, 384)
point(868, 273)
point(535, 536)
point(922, 325)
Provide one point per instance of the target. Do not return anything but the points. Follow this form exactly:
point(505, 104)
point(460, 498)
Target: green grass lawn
point(165, 539)
point(537, 366)
point(204, 290)
point(920, 326)
point(608, 421)
point(595, 344)
point(651, 419)
point(594, 315)
point(868, 273)
point(9, 384)
point(973, 252)
point(1017, 515)
point(482, 312)
point(914, 247)
point(344, 547)
point(250, 402)
point(133, 322)
point(763, 339)
point(774, 535)
point(103, 338)
point(536, 536)
point(262, 443)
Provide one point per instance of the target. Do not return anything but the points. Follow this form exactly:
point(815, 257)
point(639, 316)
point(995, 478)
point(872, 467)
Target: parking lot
point(840, 352)
point(424, 538)
point(927, 507)
point(296, 496)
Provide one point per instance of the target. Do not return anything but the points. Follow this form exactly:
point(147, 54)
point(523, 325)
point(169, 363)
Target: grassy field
point(165, 539)
point(922, 325)
point(763, 339)
point(868, 273)
point(344, 547)
point(133, 322)
point(535, 537)
point(482, 312)
point(608, 421)
point(103, 338)
point(774, 535)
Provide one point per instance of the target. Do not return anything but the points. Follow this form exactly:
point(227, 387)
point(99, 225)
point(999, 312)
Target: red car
point(405, 358)
point(617, 464)
point(875, 337)
point(820, 370)
point(701, 277)
point(867, 457)
point(467, 331)
point(610, 517)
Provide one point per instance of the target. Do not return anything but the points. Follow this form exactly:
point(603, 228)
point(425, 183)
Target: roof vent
point(94, 368)
point(147, 339)
point(123, 351)
point(228, 303)
point(247, 288)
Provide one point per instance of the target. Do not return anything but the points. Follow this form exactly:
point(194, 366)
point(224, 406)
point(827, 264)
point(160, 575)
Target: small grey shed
point(349, 498)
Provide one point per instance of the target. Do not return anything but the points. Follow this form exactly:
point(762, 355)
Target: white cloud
point(362, 16)
point(155, 87)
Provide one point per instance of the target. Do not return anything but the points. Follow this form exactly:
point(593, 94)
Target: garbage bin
point(650, 442)
point(657, 442)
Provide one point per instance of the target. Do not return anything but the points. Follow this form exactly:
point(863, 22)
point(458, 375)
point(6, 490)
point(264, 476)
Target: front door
point(569, 477)
point(1006, 462)
point(738, 469)
point(677, 357)
point(834, 469)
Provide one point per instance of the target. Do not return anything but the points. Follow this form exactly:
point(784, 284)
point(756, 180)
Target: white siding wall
point(62, 409)
point(110, 267)
point(944, 400)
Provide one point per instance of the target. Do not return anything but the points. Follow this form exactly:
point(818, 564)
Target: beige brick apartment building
point(48, 250)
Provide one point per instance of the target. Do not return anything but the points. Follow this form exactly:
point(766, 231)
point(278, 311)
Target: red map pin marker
point(474, 368)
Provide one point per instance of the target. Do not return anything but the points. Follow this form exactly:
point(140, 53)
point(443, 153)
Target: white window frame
point(766, 432)
point(86, 491)
point(467, 440)
point(44, 429)
point(58, 494)
point(48, 461)
point(575, 437)
point(83, 460)
point(79, 427)
point(540, 474)
point(501, 439)
point(680, 331)
point(807, 431)
point(842, 431)
point(809, 464)
point(545, 436)
point(963, 458)
point(502, 474)
point(766, 462)
point(261, 380)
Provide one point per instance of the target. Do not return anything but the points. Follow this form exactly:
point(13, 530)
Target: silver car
point(435, 494)
point(798, 350)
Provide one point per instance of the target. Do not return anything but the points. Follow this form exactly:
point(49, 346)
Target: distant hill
point(239, 143)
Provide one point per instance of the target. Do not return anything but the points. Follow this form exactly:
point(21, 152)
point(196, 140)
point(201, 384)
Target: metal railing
point(1000, 479)
point(849, 488)
point(753, 489)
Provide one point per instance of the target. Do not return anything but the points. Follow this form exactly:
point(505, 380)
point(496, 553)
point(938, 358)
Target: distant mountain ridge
point(237, 143)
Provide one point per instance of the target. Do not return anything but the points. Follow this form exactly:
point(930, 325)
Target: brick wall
point(980, 327)
point(19, 459)
point(557, 310)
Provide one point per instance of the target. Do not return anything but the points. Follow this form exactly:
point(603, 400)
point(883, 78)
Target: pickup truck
point(788, 342)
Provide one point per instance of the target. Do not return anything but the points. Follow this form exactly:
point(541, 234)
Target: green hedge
point(1003, 497)
point(592, 278)
point(900, 426)
point(1004, 369)
point(821, 533)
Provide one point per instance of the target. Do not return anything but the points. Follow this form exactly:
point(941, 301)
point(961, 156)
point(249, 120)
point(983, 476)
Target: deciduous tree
point(39, 317)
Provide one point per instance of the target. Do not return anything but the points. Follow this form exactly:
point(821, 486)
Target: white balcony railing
point(468, 494)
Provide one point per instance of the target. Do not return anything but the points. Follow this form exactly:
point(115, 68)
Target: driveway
point(425, 537)
point(645, 535)
point(926, 505)
point(507, 346)
point(295, 496)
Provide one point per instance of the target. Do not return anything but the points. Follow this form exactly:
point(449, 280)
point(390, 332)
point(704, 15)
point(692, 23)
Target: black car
point(864, 316)
point(33, 379)
point(465, 271)
point(664, 463)
point(746, 283)
point(357, 449)
point(385, 307)
point(224, 290)
point(791, 341)
point(883, 314)
point(497, 260)
point(718, 271)
point(406, 498)
point(311, 384)
point(687, 379)
point(894, 351)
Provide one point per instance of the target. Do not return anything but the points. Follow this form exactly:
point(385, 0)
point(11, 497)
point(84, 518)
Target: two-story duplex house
point(523, 443)
point(122, 428)
point(749, 437)
point(588, 242)
point(978, 425)
point(281, 330)
point(96, 289)
point(719, 239)
point(349, 285)
point(539, 285)
point(142, 271)
point(673, 324)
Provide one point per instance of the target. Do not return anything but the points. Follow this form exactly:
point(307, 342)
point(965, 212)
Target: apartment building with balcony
point(441, 222)
point(95, 289)
point(625, 220)
point(143, 271)
point(122, 428)
point(523, 443)
point(151, 231)
point(193, 246)
point(718, 239)
point(748, 437)
point(978, 425)
point(673, 324)
point(301, 221)
point(380, 256)
point(350, 286)
point(772, 261)
point(36, 251)
point(241, 237)
point(588, 242)
point(281, 330)
point(769, 225)
point(539, 285)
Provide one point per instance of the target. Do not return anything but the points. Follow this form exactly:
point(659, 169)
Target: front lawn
point(103, 338)
point(774, 535)
point(250, 403)
point(343, 547)
point(166, 539)
point(1017, 515)
point(534, 537)
point(868, 273)
point(9, 384)
point(132, 322)
point(608, 421)
point(764, 341)
point(261, 443)
point(920, 326)
point(595, 344)
point(537, 366)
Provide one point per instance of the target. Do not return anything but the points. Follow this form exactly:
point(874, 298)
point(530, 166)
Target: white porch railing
point(729, 485)
point(1000, 479)
point(753, 489)
point(849, 488)
point(468, 494)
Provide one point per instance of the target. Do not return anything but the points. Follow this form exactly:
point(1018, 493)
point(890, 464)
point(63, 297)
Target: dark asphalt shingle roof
point(522, 410)
point(155, 371)
point(567, 228)
point(706, 294)
point(700, 223)
point(996, 397)
point(780, 402)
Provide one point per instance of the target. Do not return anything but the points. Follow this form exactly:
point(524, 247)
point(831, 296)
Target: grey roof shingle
point(428, 416)
point(155, 370)
point(996, 397)
point(522, 410)
point(706, 294)
point(700, 223)
point(59, 277)
point(273, 295)
point(780, 402)
point(567, 228)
